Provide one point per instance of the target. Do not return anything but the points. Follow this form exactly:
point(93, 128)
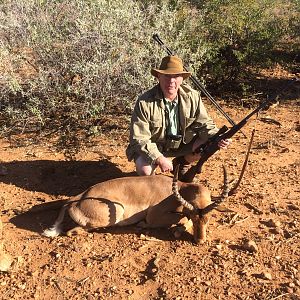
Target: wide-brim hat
point(171, 65)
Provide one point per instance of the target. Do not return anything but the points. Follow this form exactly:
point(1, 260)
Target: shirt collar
point(174, 102)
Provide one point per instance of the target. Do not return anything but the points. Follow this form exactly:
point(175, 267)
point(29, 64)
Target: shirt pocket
point(157, 130)
point(188, 132)
point(189, 121)
point(154, 124)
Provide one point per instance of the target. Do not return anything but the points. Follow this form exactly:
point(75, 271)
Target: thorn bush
point(65, 64)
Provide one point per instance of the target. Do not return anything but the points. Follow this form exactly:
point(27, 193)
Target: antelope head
point(198, 204)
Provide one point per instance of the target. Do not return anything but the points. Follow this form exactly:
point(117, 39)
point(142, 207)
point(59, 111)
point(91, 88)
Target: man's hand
point(164, 164)
point(223, 144)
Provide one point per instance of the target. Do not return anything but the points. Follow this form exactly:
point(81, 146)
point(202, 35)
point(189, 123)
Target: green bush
point(243, 34)
point(65, 64)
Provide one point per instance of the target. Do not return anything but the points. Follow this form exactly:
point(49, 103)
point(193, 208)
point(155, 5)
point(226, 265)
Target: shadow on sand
point(64, 178)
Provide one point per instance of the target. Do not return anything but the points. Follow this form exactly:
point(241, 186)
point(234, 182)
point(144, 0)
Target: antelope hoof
point(201, 242)
point(76, 231)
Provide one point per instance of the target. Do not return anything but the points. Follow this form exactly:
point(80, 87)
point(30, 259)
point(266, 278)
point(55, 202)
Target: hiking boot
point(183, 168)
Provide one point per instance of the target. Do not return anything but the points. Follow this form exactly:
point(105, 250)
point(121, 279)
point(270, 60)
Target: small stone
point(250, 246)
point(291, 284)
point(243, 272)
point(34, 273)
point(266, 275)
point(156, 262)
point(22, 286)
point(294, 270)
point(273, 223)
point(107, 236)
point(194, 279)
point(5, 262)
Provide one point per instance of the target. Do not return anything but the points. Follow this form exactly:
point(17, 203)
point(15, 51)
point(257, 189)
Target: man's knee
point(144, 171)
point(143, 168)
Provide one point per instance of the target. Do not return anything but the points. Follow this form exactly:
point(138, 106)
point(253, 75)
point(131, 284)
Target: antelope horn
point(226, 188)
point(176, 192)
point(223, 196)
point(233, 190)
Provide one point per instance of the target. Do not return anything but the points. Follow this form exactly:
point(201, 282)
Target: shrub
point(244, 34)
point(66, 64)
point(69, 62)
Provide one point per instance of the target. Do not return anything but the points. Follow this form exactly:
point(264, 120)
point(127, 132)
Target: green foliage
point(242, 34)
point(65, 64)
point(72, 60)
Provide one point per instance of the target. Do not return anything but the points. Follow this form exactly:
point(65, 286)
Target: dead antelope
point(151, 201)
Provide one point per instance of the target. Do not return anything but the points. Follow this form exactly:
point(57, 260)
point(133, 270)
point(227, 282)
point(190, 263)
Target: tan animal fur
point(146, 200)
point(151, 201)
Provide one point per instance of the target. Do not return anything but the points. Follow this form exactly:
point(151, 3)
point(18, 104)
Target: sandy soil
point(129, 263)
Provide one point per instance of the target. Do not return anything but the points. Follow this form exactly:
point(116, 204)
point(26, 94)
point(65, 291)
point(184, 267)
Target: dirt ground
point(130, 263)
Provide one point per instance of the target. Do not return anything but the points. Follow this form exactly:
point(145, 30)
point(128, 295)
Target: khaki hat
point(171, 65)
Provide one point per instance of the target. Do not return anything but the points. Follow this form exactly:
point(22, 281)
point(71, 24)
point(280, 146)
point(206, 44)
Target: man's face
point(170, 84)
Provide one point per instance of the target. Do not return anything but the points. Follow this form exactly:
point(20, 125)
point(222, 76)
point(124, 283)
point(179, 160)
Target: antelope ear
point(196, 228)
point(199, 228)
